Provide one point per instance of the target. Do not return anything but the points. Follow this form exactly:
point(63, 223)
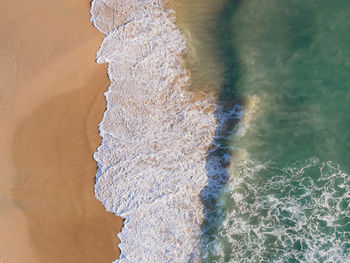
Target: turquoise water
point(288, 191)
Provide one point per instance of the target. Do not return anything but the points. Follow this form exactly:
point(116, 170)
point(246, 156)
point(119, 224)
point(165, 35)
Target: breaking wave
point(298, 213)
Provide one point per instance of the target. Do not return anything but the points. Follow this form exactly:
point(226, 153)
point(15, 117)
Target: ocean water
point(226, 133)
point(288, 157)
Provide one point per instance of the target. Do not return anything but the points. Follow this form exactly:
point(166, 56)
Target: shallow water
point(266, 147)
point(287, 64)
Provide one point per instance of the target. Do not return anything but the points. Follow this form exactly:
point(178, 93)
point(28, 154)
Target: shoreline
point(155, 134)
point(51, 102)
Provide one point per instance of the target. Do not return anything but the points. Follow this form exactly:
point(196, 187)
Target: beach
point(202, 131)
point(51, 100)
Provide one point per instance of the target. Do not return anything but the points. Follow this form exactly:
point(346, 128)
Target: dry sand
point(51, 100)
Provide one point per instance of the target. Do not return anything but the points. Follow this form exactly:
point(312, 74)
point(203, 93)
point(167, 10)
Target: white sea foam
point(152, 161)
point(299, 213)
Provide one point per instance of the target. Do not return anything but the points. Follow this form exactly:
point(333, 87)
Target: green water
point(295, 57)
point(288, 64)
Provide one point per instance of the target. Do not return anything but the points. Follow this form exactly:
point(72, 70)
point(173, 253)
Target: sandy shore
point(51, 99)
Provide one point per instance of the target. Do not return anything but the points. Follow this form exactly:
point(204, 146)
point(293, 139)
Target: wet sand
point(51, 100)
point(196, 21)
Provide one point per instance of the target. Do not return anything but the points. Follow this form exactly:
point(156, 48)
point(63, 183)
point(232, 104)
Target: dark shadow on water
point(219, 152)
point(298, 23)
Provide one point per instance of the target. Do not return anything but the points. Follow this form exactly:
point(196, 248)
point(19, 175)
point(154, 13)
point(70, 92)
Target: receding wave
point(152, 162)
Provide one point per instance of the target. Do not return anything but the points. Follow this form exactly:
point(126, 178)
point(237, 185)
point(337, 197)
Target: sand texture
point(51, 100)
